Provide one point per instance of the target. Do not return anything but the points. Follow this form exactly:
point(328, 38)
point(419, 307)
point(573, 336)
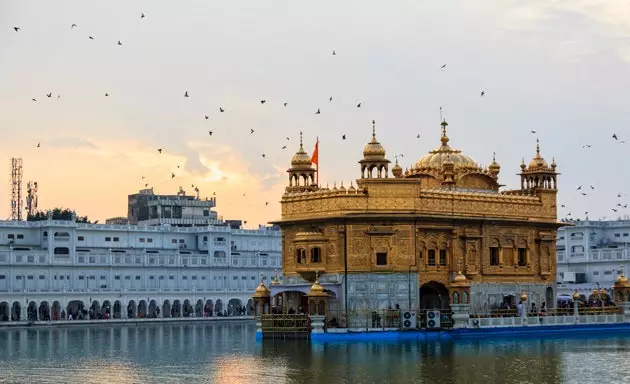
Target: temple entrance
point(434, 295)
point(550, 302)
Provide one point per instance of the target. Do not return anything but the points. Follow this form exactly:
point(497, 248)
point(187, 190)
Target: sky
point(560, 68)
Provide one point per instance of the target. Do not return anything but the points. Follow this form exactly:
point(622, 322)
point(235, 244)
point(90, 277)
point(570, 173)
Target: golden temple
point(403, 238)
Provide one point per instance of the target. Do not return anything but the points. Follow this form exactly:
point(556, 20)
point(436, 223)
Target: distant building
point(180, 210)
point(117, 221)
point(592, 254)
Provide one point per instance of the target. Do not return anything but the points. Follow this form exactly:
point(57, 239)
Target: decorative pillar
point(460, 301)
point(275, 282)
point(621, 290)
point(317, 305)
point(261, 305)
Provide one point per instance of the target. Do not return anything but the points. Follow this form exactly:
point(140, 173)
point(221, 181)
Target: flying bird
point(186, 94)
point(562, 206)
point(143, 177)
point(443, 66)
point(90, 37)
point(58, 96)
point(619, 195)
point(263, 155)
point(119, 43)
point(73, 26)
point(359, 105)
point(578, 188)
point(334, 52)
point(142, 16)
point(586, 146)
point(532, 131)
point(206, 116)
point(160, 150)
point(210, 133)
point(593, 188)
point(417, 137)
point(483, 93)
point(318, 112)
point(285, 104)
point(251, 131)
point(221, 109)
point(330, 99)
point(284, 147)
point(343, 137)
point(49, 95)
point(38, 145)
point(172, 175)
point(583, 194)
point(106, 94)
point(18, 28)
point(266, 203)
point(35, 100)
point(614, 136)
point(263, 101)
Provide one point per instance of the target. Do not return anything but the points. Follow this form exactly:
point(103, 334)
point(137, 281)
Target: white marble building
point(49, 268)
point(592, 253)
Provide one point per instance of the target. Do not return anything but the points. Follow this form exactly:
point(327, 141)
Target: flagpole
point(317, 174)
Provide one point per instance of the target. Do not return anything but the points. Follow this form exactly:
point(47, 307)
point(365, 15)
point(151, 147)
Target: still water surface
point(229, 353)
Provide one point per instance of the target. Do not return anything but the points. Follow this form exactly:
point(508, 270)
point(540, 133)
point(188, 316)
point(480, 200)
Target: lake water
point(229, 353)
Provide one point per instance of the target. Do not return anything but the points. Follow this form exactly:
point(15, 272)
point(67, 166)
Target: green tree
point(57, 214)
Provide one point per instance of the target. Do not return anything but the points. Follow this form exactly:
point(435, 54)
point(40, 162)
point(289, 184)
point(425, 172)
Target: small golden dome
point(538, 161)
point(621, 280)
point(460, 278)
point(397, 170)
point(445, 154)
point(317, 289)
point(373, 149)
point(494, 167)
point(262, 291)
point(342, 188)
point(523, 295)
point(352, 188)
point(301, 159)
point(275, 279)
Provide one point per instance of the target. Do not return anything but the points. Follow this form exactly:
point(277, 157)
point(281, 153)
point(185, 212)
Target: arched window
point(464, 297)
point(205, 239)
point(494, 252)
point(316, 255)
point(301, 256)
point(455, 298)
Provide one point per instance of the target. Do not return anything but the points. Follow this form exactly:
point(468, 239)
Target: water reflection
point(228, 353)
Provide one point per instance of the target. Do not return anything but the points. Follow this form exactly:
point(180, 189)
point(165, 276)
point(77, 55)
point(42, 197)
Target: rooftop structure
point(182, 210)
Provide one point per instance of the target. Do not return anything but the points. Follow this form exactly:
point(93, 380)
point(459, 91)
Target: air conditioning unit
point(433, 319)
point(409, 320)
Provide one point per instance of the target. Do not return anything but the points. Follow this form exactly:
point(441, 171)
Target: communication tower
point(16, 188)
point(31, 198)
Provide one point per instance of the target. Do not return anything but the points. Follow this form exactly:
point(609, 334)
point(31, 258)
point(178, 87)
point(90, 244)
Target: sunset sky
point(560, 68)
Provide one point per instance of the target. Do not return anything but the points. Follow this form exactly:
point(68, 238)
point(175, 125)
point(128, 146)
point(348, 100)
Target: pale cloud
point(70, 142)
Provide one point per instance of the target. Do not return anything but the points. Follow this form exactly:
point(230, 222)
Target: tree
point(57, 214)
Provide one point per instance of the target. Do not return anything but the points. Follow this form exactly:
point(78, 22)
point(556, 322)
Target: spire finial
point(494, 156)
point(300, 139)
point(538, 147)
point(396, 157)
point(261, 277)
point(374, 129)
point(317, 276)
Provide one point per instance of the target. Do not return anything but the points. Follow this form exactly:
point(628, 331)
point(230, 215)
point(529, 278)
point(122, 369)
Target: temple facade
point(413, 238)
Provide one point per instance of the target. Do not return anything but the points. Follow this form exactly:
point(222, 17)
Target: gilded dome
point(621, 280)
point(444, 153)
point(460, 278)
point(262, 291)
point(373, 149)
point(317, 289)
point(538, 161)
point(301, 159)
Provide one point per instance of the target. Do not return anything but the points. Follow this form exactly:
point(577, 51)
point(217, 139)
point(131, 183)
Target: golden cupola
point(397, 170)
point(301, 173)
point(494, 168)
point(538, 174)
point(435, 159)
point(448, 167)
point(374, 158)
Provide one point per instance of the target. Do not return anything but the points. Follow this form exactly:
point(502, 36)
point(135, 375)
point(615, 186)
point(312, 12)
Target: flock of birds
point(318, 111)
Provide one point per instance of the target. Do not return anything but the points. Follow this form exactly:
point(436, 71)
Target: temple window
point(494, 255)
point(442, 256)
point(431, 257)
point(316, 255)
point(455, 298)
point(301, 256)
point(522, 257)
point(381, 258)
point(464, 297)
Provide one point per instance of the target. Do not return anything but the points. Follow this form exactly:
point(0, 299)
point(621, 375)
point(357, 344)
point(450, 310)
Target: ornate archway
point(434, 295)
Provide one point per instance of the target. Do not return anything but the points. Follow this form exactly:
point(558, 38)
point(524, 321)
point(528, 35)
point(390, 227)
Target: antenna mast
point(16, 188)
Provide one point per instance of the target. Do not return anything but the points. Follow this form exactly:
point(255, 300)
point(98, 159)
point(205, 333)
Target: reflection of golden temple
point(443, 215)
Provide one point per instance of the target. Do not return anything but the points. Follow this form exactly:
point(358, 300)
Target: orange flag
point(315, 158)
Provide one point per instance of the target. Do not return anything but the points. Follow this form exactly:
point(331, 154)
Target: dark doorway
point(434, 295)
